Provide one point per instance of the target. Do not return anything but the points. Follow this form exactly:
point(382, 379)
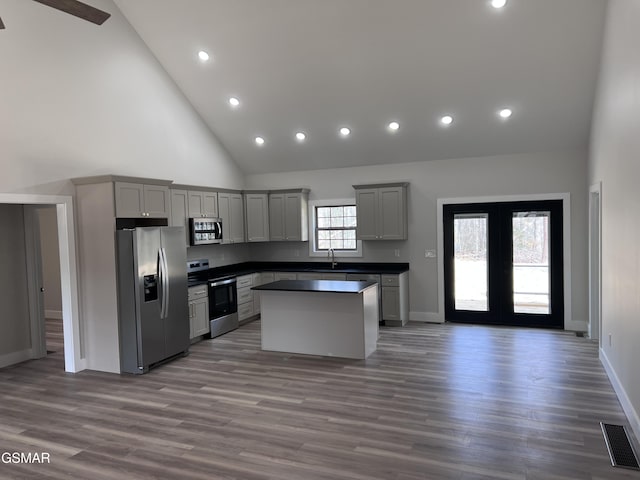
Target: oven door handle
point(223, 282)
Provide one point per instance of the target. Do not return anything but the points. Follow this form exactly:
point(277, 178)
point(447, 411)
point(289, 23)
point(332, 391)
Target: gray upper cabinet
point(231, 212)
point(382, 211)
point(180, 210)
point(288, 215)
point(203, 204)
point(141, 200)
point(256, 206)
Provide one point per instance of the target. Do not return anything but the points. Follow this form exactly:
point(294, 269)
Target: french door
point(503, 263)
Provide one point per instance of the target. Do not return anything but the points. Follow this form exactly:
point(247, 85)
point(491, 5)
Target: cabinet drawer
point(309, 276)
point(244, 295)
point(245, 281)
point(198, 292)
point(334, 276)
point(367, 277)
point(245, 311)
point(390, 281)
point(285, 276)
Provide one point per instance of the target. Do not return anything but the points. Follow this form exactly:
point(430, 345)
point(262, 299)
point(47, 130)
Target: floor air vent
point(619, 446)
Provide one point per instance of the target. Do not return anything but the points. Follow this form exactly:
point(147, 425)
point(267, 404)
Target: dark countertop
point(320, 267)
point(327, 286)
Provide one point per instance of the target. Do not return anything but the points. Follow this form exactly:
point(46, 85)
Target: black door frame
point(500, 276)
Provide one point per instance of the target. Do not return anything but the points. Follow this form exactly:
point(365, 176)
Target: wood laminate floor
point(433, 402)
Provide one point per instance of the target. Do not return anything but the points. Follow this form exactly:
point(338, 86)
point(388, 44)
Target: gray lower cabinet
point(246, 308)
point(198, 311)
point(395, 299)
point(285, 276)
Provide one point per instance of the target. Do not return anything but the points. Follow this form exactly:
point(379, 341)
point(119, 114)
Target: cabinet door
point(276, 217)
point(391, 216)
point(390, 303)
point(129, 199)
point(156, 201)
point(309, 276)
point(367, 210)
point(267, 277)
point(292, 227)
point(210, 204)
point(196, 207)
point(225, 216)
point(180, 211)
point(236, 213)
point(200, 318)
point(257, 217)
point(333, 276)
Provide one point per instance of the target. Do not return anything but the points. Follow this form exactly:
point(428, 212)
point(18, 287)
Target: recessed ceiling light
point(259, 141)
point(498, 3)
point(394, 126)
point(234, 102)
point(446, 120)
point(203, 56)
point(505, 113)
point(345, 131)
point(300, 136)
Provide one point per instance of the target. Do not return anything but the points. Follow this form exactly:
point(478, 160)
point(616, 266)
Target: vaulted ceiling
point(315, 66)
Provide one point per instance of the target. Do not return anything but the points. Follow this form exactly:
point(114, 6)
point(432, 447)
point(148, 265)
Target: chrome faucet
point(332, 254)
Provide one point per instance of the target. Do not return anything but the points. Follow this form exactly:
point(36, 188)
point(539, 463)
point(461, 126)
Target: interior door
point(503, 263)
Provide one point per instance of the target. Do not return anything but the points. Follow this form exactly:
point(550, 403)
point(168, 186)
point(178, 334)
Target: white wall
point(615, 161)
point(79, 100)
point(15, 336)
point(472, 177)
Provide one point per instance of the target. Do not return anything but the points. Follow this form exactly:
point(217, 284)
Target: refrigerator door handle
point(161, 281)
point(162, 274)
point(165, 283)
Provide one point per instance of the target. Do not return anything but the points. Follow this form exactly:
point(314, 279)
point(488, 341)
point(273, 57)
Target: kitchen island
point(320, 317)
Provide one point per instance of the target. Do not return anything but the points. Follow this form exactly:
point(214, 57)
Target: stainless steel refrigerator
point(152, 296)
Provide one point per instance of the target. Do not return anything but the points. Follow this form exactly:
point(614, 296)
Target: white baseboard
point(576, 326)
point(627, 406)
point(429, 317)
point(15, 357)
point(54, 314)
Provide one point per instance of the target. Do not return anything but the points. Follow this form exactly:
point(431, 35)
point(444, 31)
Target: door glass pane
point(531, 273)
point(470, 260)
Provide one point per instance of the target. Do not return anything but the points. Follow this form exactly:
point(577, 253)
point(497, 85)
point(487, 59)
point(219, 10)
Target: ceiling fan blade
point(1, 25)
point(78, 9)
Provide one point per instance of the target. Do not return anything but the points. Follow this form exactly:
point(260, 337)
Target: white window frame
point(313, 251)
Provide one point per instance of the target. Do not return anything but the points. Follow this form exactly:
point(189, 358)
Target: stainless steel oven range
point(223, 306)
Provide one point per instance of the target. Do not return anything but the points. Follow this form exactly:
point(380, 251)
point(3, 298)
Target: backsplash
point(299, 252)
point(220, 255)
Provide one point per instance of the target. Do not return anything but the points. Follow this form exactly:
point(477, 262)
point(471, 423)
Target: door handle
point(165, 283)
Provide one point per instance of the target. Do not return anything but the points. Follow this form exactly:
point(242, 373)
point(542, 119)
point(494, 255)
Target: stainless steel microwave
point(203, 231)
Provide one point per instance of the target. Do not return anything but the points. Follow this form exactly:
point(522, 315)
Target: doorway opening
point(503, 263)
point(36, 346)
